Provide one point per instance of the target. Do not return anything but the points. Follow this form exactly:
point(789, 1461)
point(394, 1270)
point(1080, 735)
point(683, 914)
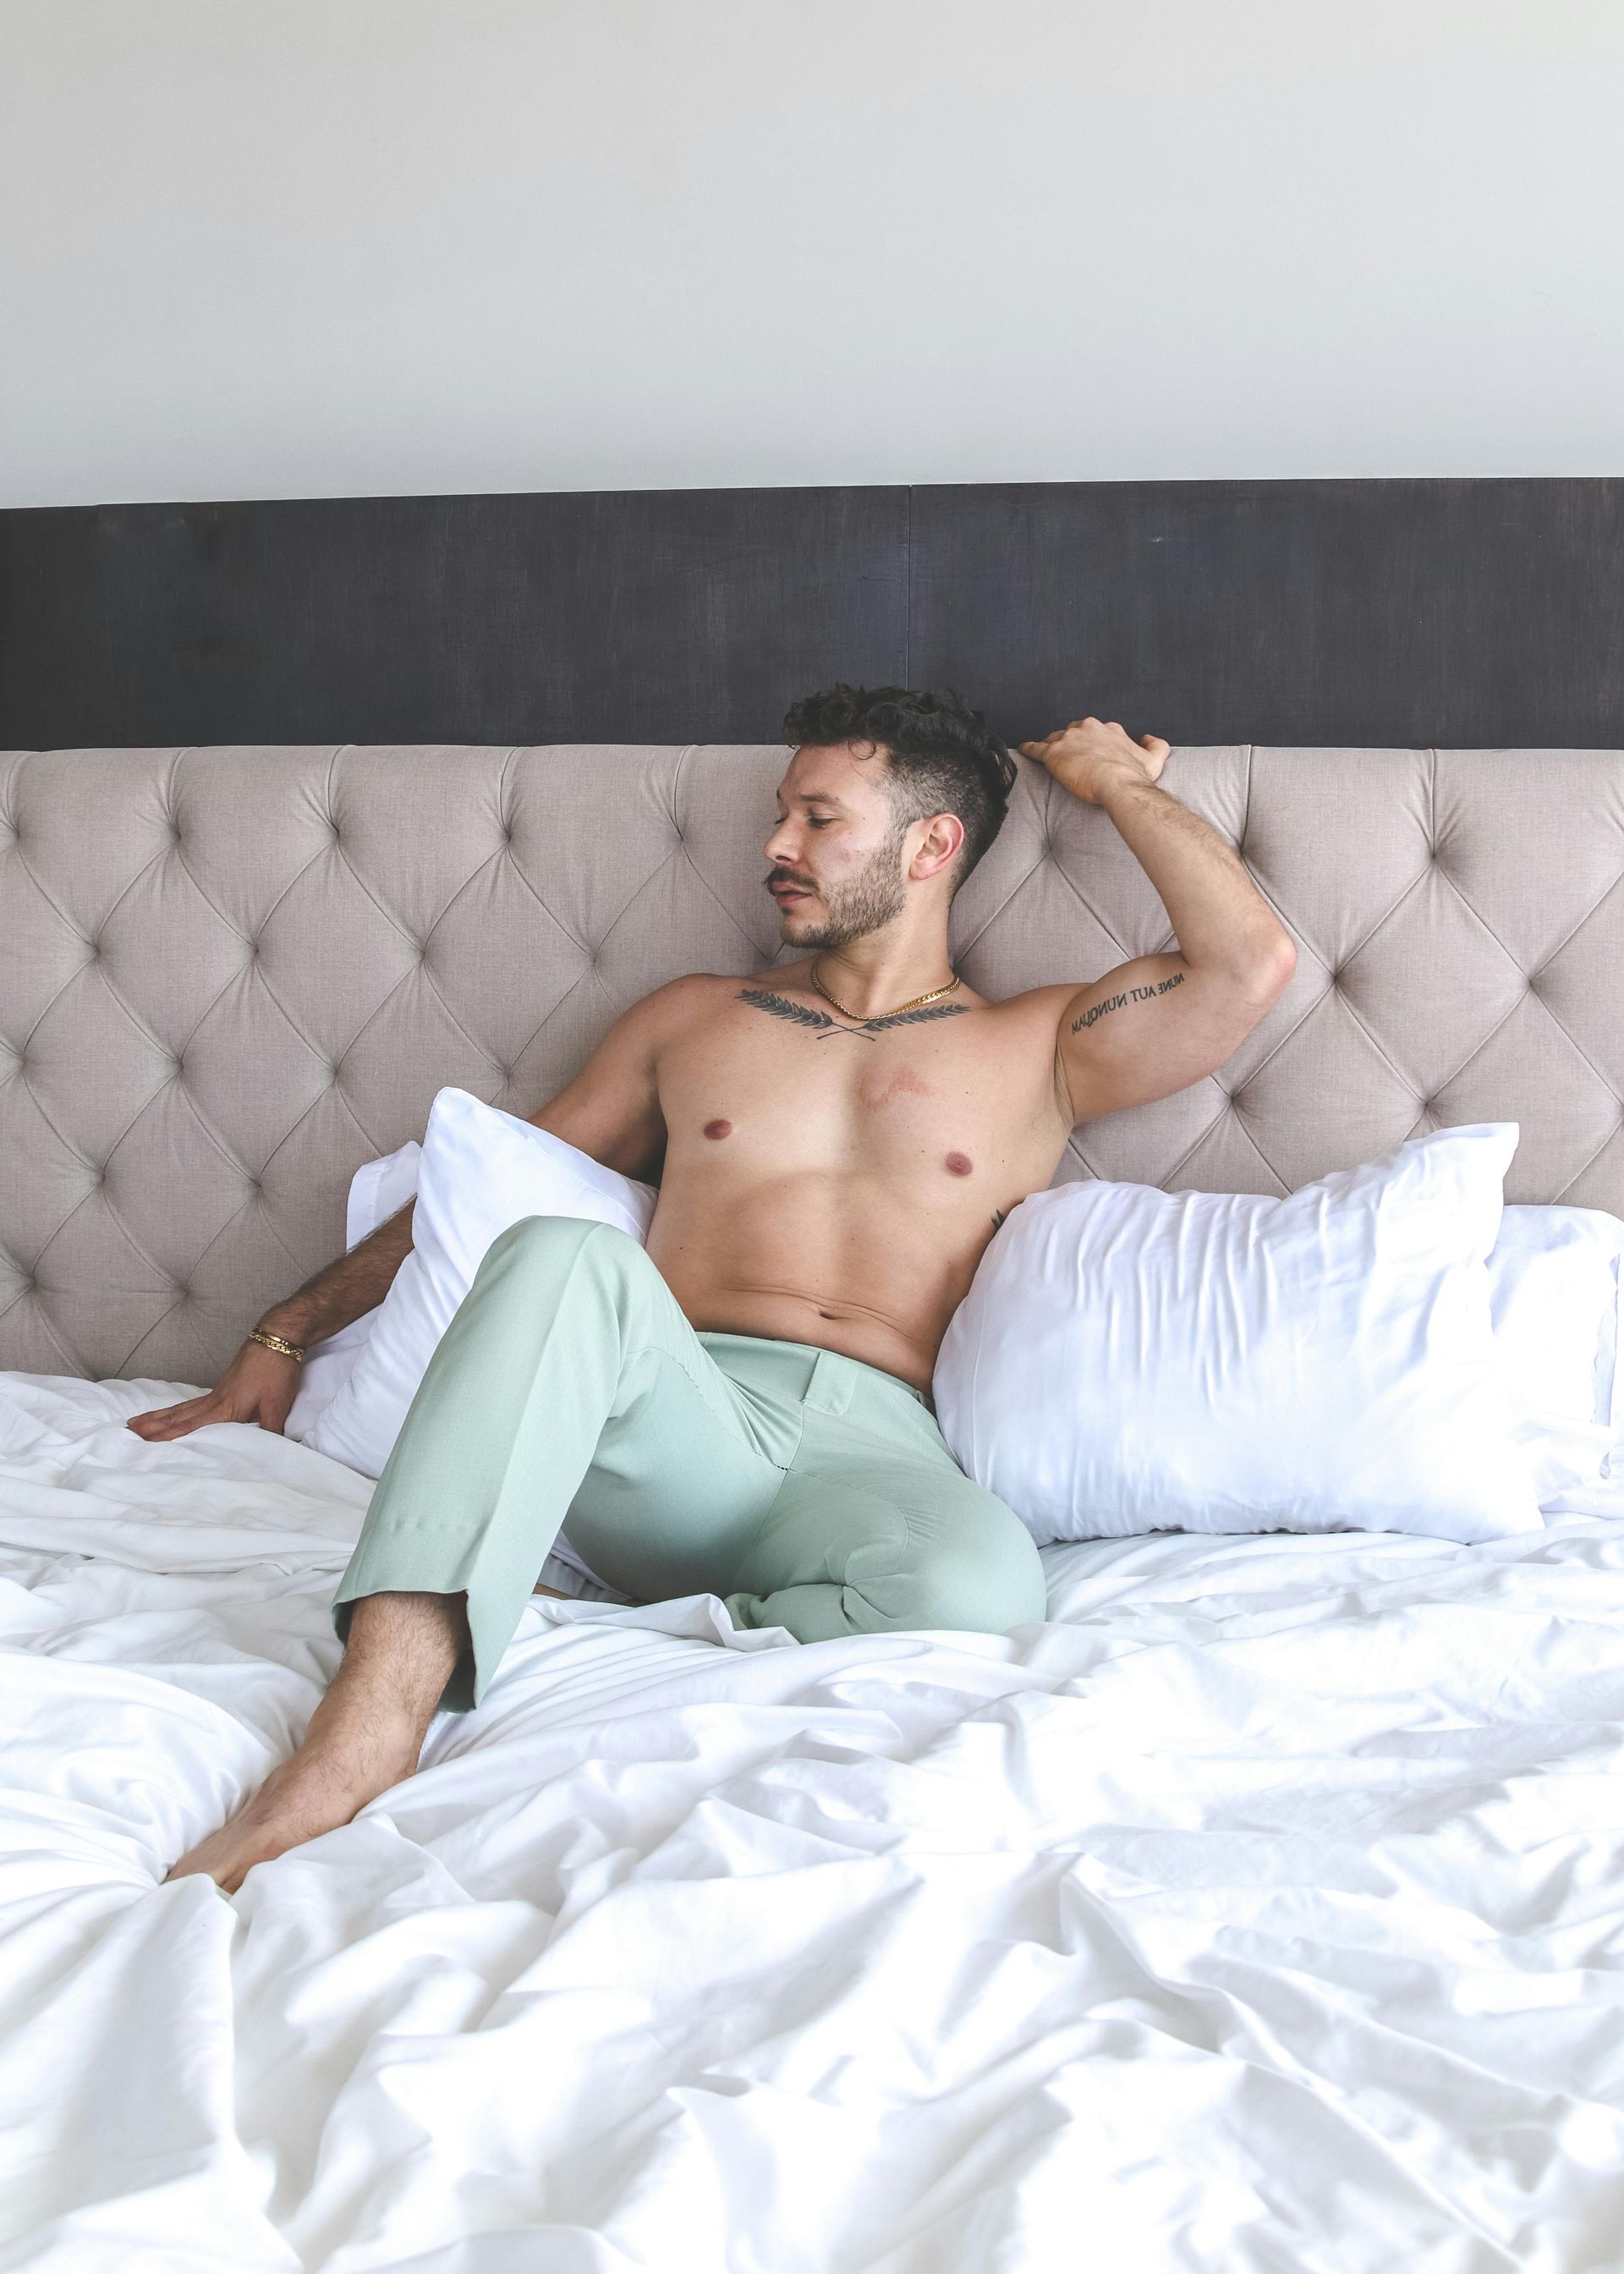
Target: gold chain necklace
point(861, 1019)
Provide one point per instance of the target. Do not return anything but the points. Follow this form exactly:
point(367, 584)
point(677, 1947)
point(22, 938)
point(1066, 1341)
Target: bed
point(1261, 1908)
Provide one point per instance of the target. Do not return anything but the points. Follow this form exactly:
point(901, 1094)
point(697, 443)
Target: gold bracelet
point(275, 1342)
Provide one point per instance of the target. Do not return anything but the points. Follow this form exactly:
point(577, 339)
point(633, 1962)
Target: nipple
point(719, 1128)
point(960, 1163)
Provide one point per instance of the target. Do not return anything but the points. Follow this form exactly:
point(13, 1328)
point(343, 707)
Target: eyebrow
point(816, 797)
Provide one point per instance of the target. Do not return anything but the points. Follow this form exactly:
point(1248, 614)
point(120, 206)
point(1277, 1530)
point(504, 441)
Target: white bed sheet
point(1263, 1909)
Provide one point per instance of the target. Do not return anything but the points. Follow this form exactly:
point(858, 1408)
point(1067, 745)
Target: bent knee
point(549, 1240)
point(983, 1581)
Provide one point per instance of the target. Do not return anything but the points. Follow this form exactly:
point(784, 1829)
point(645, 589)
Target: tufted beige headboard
point(227, 977)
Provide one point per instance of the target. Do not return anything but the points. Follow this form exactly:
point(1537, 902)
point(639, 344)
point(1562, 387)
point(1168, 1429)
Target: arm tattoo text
point(1131, 995)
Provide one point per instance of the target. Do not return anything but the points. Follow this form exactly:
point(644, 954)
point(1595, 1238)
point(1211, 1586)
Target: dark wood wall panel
point(1368, 611)
point(641, 615)
point(1459, 613)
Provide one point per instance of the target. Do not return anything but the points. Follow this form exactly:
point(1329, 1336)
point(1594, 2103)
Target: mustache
point(779, 877)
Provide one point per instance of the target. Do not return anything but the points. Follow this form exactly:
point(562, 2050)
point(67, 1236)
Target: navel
point(960, 1163)
point(719, 1128)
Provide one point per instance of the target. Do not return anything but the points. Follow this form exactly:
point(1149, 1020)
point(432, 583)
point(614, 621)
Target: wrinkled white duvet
point(1263, 1910)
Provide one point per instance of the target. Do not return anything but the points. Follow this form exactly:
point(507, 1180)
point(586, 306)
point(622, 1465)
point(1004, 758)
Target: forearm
point(356, 1283)
point(1220, 920)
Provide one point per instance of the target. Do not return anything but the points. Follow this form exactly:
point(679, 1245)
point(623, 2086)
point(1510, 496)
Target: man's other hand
point(1085, 756)
point(259, 1385)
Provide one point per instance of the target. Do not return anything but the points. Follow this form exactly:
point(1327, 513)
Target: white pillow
point(1129, 1360)
point(480, 1171)
point(1554, 1297)
point(379, 1190)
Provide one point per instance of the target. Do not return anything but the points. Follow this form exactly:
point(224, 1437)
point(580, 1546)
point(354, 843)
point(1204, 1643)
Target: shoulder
point(1039, 1008)
point(681, 1004)
point(694, 992)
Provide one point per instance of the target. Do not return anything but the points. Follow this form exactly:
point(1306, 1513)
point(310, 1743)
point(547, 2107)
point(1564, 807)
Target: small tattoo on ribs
point(1129, 995)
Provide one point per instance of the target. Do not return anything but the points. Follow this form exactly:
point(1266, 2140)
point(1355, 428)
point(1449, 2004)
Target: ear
point(939, 849)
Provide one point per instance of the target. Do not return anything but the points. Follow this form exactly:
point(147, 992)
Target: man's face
point(837, 859)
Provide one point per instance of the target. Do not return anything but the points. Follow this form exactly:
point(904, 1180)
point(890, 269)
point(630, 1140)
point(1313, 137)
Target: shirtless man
point(744, 1407)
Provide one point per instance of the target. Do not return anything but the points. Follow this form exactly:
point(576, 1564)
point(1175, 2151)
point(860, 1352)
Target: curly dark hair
point(942, 756)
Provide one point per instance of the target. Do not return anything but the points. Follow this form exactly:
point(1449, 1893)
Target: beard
point(862, 903)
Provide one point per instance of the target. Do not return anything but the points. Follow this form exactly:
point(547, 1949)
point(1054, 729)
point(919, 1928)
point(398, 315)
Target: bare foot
point(365, 1734)
point(314, 1791)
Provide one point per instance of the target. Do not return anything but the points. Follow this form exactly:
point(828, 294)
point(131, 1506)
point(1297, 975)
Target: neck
point(873, 975)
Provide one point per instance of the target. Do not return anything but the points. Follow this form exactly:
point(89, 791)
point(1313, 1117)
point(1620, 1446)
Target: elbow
point(1269, 964)
point(1280, 962)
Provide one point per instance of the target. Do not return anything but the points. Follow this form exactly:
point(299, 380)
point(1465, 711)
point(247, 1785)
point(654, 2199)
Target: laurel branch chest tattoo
point(820, 1026)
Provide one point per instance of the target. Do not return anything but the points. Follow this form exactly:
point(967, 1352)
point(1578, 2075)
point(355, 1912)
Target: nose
point(776, 846)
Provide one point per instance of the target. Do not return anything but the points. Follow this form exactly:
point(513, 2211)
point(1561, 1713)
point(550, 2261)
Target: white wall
point(274, 248)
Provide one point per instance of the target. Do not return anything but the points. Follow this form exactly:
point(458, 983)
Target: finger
point(186, 1428)
point(184, 1405)
point(155, 1419)
point(161, 1432)
point(174, 1420)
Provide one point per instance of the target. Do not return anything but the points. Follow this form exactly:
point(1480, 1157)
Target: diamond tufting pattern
point(227, 977)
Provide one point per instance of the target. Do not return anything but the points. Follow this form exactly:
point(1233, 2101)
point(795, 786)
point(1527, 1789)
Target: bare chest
point(769, 1082)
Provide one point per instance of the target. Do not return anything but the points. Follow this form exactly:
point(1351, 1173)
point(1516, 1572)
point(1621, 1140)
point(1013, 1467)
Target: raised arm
point(1158, 1023)
point(611, 1110)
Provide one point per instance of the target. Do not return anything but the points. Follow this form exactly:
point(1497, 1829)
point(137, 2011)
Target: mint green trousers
point(807, 1490)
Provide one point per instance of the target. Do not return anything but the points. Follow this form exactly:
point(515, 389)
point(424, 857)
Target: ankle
point(353, 1739)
